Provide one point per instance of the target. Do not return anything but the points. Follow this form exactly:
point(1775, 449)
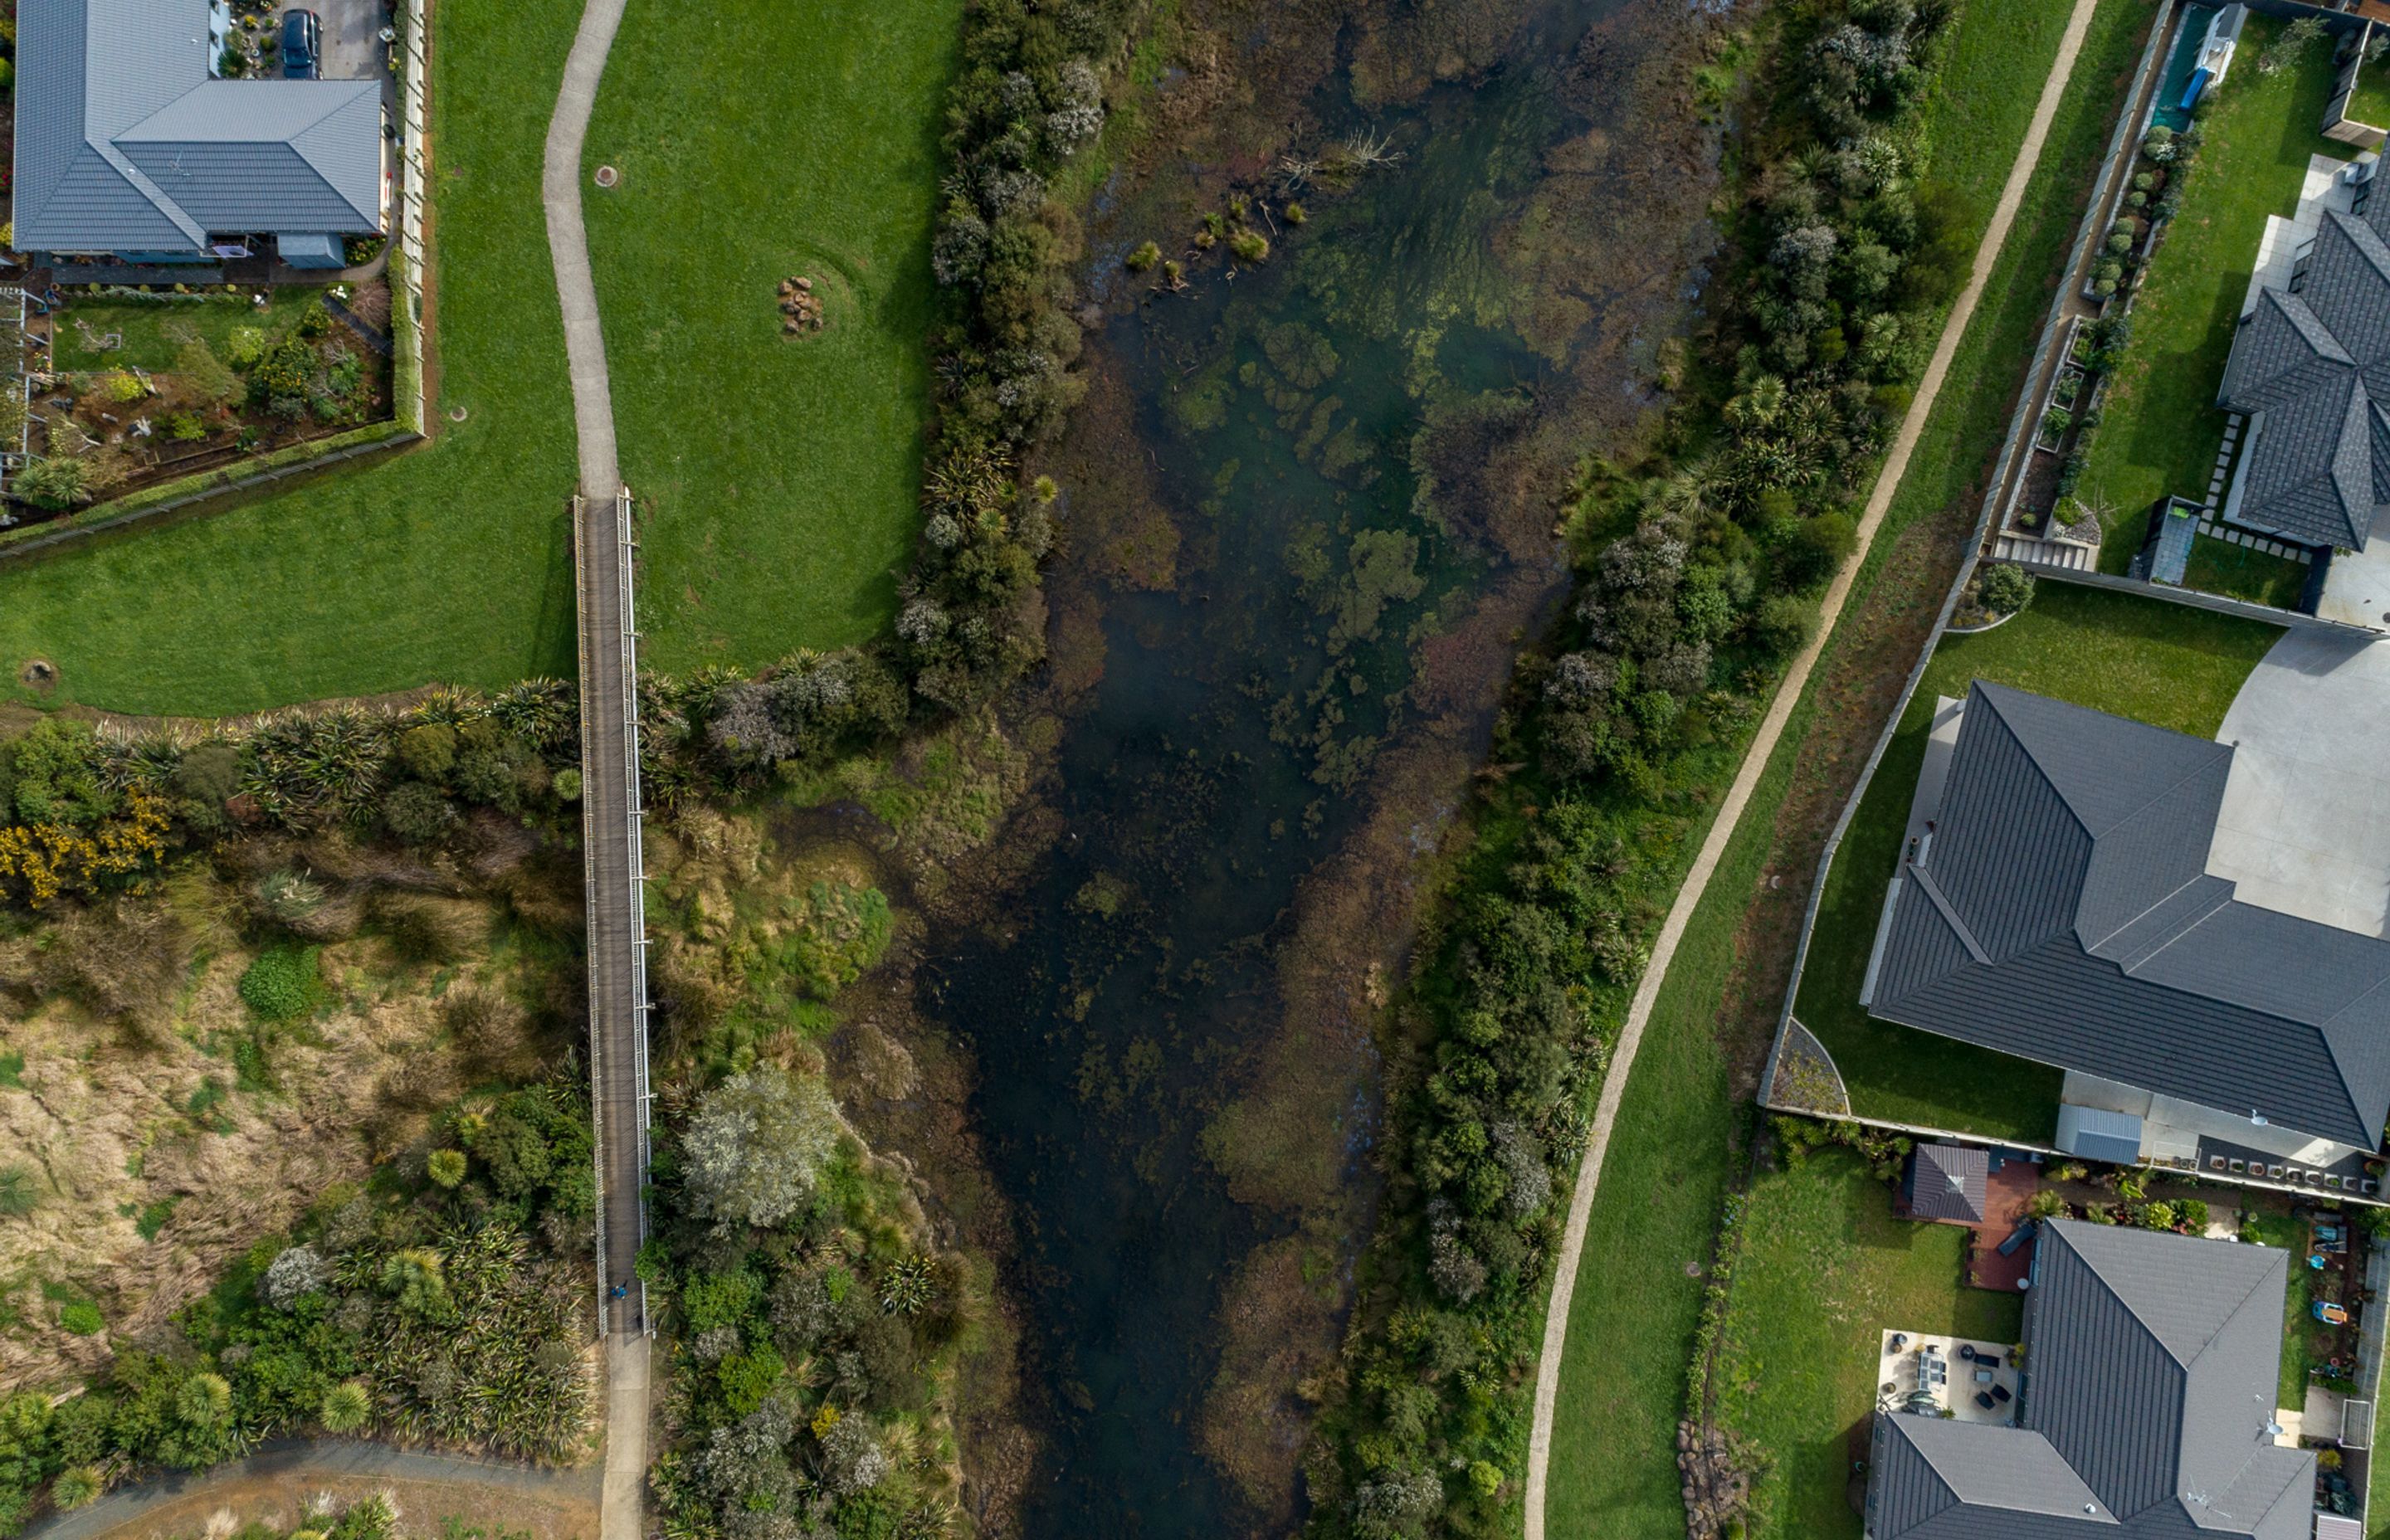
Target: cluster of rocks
point(801, 308)
point(1717, 1482)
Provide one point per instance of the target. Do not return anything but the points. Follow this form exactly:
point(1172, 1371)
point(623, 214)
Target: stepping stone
point(2231, 432)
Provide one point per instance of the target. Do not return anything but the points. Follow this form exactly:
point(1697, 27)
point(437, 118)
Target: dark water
point(1219, 762)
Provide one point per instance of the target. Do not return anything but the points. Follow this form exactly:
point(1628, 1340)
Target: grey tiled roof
point(2150, 1381)
point(2316, 364)
point(2063, 912)
point(1949, 1181)
point(124, 143)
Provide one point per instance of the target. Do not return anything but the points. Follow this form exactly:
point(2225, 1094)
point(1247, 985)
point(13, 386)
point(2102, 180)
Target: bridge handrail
point(627, 546)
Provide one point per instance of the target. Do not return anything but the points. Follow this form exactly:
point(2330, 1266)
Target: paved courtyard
point(2304, 829)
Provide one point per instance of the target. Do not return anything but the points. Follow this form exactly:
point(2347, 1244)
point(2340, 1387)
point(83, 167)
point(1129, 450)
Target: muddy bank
point(1308, 513)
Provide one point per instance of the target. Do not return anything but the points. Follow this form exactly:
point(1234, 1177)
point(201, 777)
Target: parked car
point(303, 45)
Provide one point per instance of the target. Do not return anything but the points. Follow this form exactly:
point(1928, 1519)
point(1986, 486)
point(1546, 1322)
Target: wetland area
point(1308, 517)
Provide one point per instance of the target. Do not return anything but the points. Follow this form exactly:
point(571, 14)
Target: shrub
point(446, 1167)
point(18, 1198)
point(1143, 257)
point(567, 784)
point(2004, 588)
point(82, 1318)
point(428, 751)
point(1250, 246)
point(53, 481)
point(347, 1407)
point(417, 814)
point(282, 985)
point(1783, 624)
point(199, 370)
point(76, 1488)
point(123, 387)
point(245, 347)
point(1814, 549)
point(758, 1140)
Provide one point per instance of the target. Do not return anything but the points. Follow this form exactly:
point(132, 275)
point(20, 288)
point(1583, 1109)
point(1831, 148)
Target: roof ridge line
point(1950, 917)
point(2167, 940)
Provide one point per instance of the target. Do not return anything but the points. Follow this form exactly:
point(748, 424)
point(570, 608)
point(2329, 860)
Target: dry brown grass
point(128, 1014)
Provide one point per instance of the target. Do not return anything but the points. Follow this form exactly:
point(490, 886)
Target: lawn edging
point(179, 496)
point(2121, 141)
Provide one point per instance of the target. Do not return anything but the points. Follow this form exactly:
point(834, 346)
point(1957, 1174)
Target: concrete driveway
point(2304, 827)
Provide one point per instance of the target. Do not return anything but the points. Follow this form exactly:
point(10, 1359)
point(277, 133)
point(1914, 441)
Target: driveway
point(2304, 829)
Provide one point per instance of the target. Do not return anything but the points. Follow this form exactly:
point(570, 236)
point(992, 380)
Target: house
point(2144, 1406)
point(130, 148)
point(2310, 371)
point(1948, 1182)
point(2053, 903)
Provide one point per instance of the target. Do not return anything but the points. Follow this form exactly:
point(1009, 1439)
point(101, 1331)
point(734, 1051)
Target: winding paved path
point(1771, 729)
point(317, 1460)
point(616, 1021)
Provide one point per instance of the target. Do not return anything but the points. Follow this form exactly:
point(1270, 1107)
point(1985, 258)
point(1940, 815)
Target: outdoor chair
point(1983, 1400)
point(2001, 1394)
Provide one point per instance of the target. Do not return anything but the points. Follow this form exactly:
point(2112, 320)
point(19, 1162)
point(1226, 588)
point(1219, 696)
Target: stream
point(1248, 700)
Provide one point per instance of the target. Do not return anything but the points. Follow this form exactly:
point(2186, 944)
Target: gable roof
point(125, 143)
point(1949, 1181)
point(2061, 911)
point(2149, 1386)
point(2316, 364)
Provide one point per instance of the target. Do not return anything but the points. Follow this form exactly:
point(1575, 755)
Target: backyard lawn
point(149, 332)
point(2220, 567)
point(451, 563)
point(2160, 428)
point(758, 140)
point(1826, 1267)
point(2369, 102)
point(2157, 663)
point(1631, 1323)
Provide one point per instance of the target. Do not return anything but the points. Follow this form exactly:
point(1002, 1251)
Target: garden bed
point(2154, 662)
point(2162, 426)
point(145, 388)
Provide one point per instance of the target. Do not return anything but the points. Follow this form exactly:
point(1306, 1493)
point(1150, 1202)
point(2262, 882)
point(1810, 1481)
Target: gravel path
point(1771, 728)
point(306, 1461)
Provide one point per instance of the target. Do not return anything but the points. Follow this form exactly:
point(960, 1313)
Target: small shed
point(2097, 1134)
point(316, 250)
point(1948, 1182)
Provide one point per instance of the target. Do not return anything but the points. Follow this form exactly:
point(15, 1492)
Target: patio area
point(2007, 1191)
point(1930, 1375)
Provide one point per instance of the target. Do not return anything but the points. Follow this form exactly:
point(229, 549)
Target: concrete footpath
point(1754, 763)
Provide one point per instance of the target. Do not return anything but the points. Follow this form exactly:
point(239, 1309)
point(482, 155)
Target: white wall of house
point(2171, 1128)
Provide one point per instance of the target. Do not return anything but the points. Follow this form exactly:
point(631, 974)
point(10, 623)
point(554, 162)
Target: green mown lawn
point(2369, 102)
point(1631, 1322)
point(2154, 662)
point(151, 332)
point(2160, 428)
point(1826, 1268)
point(757, 140)
point(2220, 567)
point(452, 562)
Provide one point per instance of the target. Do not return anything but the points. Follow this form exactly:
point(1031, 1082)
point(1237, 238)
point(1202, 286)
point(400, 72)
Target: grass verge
point(781, 475)
point(1621, 1387)
point(453, 562)
point(2160, 427)
point(1826, 1266)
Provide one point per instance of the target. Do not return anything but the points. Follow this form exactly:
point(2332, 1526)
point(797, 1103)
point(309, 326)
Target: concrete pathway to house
point(2305, 824)
point(1771, 729)
point(316, 1462)
point(616, 1022)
